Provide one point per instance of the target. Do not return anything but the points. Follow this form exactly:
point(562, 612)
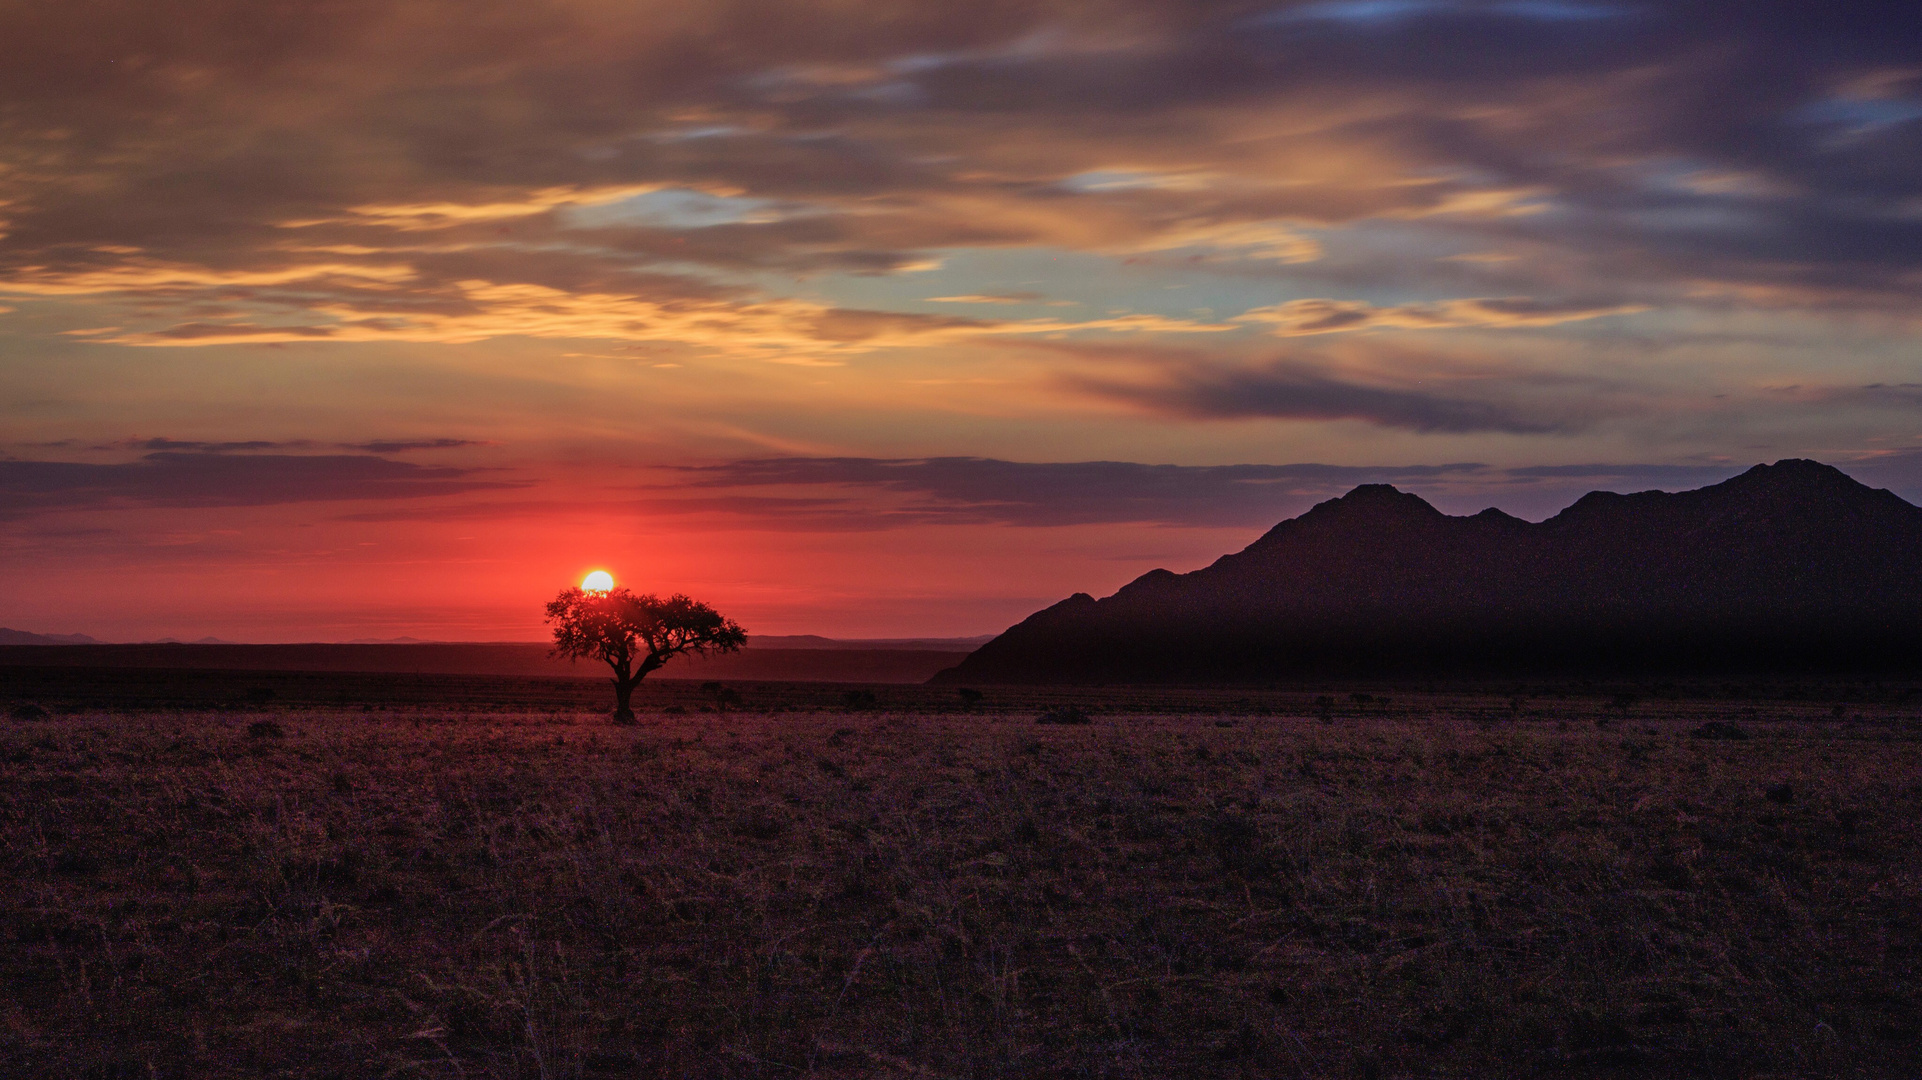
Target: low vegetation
point(795, 883)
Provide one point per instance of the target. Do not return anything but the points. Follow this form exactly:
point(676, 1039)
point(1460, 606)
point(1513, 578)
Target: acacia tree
point(636, 633)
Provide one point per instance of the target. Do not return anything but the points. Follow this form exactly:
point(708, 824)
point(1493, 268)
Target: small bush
point(265, 729)
point(1719, 729)
point(969, 695)
point(1065, 714)
point(857, 700)
point(27, 710)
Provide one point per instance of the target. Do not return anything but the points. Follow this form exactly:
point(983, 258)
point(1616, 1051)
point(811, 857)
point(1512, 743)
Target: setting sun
point(598, 581)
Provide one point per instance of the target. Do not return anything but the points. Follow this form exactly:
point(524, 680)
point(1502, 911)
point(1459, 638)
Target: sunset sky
point(333, 319)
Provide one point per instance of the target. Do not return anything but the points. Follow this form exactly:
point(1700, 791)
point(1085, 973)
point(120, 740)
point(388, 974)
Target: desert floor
point(315, 879)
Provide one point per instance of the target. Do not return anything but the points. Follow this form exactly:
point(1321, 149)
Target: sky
point(337, 319)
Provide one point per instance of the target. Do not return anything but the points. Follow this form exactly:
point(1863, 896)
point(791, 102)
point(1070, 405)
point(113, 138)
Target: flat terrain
point(908, 662)
point(278, 877)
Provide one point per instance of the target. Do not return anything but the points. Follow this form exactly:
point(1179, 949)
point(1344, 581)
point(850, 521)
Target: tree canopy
point(636, 633)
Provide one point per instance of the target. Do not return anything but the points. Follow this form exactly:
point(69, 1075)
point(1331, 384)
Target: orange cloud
point(1299, 318)
point(782, 330)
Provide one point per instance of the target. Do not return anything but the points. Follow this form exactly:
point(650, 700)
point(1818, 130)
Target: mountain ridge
point(1794, 563)
point(10, 636)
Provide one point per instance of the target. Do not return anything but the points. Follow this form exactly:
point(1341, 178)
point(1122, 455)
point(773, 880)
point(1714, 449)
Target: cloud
point(872, 493)
point(1294, 391)
point(833, 494)
point(1297, 318)
point(1899, 470)
point(401, 446)
point(1617, 475)
point(377, 446)
point(243, 445)
point(207, 479)
point(1269, 240)
point(589, 170)
point(1898, 394)
point(1539, 491)
point(1380, 12)
point(472, 310)
point(997, 298)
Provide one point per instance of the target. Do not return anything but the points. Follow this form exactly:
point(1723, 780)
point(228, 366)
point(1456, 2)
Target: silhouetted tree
point(635, 634)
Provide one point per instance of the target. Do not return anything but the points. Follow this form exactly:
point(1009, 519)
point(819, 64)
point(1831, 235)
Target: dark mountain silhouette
point(1791, 566)
point(23, 637)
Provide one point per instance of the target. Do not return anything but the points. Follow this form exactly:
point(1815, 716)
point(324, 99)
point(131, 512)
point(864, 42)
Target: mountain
point(22, 637)
point(1791, 566)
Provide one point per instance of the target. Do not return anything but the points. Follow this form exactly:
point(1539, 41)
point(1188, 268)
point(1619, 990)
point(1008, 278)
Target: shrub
point(265, 729)
point(1064, 714)
point(722, 696)
point(27, 710)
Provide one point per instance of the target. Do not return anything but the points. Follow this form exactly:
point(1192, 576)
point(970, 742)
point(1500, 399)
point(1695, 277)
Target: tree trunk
point(623, 694)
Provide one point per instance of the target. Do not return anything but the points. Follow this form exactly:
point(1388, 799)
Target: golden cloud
point(1301, 318)
point(782, 330)
point(1271, 240)
point(139, 278)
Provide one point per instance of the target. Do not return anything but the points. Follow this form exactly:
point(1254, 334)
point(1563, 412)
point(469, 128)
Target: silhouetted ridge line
point(22, 637)
point(1793, 566)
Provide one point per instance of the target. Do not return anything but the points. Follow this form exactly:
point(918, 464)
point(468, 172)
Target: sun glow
point(598, 581)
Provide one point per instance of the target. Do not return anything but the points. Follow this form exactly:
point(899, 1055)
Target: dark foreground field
point(1195, 884)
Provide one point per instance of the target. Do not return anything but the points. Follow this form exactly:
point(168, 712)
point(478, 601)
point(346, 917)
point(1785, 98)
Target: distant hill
point(22, 637)
point(1787, 567)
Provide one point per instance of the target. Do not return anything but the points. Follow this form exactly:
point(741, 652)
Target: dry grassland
point(1440, 886)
